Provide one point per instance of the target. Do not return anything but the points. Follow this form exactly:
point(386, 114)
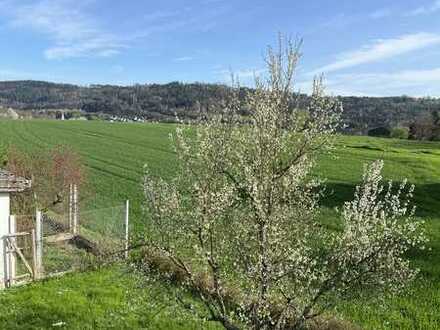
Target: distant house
point(9, 113)
point(13, 114)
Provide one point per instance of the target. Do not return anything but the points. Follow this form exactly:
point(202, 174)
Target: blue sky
point(363, 47)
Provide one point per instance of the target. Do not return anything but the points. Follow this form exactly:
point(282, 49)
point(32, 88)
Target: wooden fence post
point(127, 207)
point(12, 261)
point(38, 244)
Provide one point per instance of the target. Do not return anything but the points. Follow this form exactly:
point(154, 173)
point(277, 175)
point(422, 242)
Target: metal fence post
point(127, 207)
point(70, 207)
point(75, 210)
point(38, 243)
point(35, 272)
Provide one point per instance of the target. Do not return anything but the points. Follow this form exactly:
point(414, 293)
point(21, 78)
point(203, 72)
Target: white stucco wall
point(4, 228)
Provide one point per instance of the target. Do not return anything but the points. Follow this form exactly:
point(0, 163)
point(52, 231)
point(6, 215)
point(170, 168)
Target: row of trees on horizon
point(155, 102)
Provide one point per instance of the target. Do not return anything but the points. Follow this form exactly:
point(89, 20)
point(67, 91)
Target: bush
point(400, 133)
point(379, 132)
point(242, 213)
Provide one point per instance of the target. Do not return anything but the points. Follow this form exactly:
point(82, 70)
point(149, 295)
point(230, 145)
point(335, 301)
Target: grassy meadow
point(114, 154)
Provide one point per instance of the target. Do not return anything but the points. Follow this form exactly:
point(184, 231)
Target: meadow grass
point(114, 155)
point(109, 298)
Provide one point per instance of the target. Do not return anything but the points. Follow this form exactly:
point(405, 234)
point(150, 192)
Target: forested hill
point(162, 102)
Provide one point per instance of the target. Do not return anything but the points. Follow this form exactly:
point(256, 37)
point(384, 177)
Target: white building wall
point(4, 230)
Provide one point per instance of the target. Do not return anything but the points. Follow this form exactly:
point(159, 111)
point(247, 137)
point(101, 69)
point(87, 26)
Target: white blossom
point(243, 209)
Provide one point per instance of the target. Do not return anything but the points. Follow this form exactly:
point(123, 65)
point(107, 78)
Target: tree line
point(162, 102)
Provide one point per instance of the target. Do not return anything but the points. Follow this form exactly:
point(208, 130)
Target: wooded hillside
point(162, 102)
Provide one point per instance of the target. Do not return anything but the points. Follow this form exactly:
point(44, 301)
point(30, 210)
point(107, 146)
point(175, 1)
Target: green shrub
point(400, 133)
point(379, 132)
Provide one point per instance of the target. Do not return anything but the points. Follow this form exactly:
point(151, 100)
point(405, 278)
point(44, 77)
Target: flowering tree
point(242, 213)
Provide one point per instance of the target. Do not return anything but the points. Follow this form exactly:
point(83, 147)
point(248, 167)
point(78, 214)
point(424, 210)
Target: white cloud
point(183, 59)
point(379, 50)
point(409, 82)
point(394, 80)
point(425, 10)
point(187, 18)
point(73, 33)
point(84, 48)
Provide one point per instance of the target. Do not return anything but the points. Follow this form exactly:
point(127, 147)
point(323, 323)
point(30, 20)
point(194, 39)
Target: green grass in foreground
point(115, 154)
point(107, 299)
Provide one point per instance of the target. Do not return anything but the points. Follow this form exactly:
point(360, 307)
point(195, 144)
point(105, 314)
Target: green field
point(115, 154)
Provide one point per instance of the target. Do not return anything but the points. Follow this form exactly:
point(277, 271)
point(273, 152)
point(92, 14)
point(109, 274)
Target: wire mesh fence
point(59, 255)
point(70, 239)
point(50, 243)
point(105, 228)
point(55, 223)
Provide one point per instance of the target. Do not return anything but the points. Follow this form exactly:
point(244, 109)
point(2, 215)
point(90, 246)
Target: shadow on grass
point(426, 197)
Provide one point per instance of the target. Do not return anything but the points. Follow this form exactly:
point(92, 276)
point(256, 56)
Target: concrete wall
point(4, 229)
